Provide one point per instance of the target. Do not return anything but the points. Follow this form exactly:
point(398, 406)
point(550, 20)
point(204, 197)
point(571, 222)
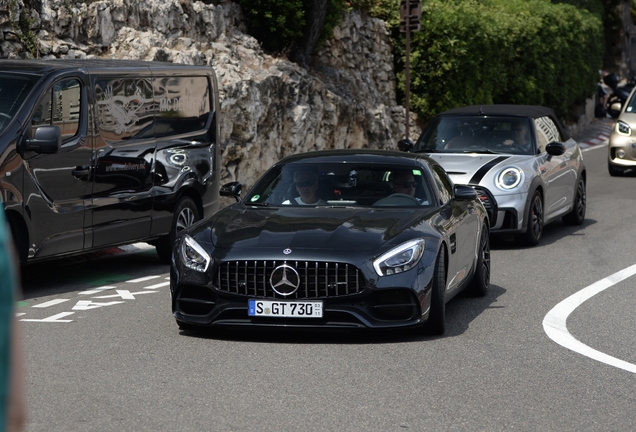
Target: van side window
point(60, 107)
point(184, 105)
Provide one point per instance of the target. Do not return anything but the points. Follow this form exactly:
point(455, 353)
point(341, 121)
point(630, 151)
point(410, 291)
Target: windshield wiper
point(484, 151)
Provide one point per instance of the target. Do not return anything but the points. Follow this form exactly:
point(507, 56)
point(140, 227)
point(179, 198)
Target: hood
point(248, 227)
point(472, 168)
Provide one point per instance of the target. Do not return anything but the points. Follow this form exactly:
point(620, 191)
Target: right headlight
point(623, 128)
point(509, 178)
point(193, 255)
point(400, 259)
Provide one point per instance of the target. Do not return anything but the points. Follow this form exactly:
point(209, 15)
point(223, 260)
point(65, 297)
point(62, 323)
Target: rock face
point(271, 107)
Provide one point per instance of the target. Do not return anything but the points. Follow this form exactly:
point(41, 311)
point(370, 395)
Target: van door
point(55, 184)
point(123, 158)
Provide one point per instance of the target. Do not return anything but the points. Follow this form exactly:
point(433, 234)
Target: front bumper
point(621, 150)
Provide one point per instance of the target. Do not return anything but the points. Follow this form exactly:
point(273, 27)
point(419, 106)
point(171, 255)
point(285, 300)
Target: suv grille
point(317, 279)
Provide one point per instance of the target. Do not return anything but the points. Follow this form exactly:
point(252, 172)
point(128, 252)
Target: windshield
point(341, 184)
point(478, 134)
point(14, 88)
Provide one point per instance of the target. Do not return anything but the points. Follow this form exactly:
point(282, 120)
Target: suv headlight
point(509, 178)
point(400, 259)
point(623, 128)
point(193, 255)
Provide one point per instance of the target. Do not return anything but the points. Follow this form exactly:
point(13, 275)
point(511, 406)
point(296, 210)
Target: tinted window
point(13, 91)
point(340, 184)
point(60, 107)
point(125, 108)
point(184, 105)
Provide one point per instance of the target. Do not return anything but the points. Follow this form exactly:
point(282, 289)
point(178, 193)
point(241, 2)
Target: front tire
point(436, 324)
point(481, 279)
point(577, 215)
point(535, 221)
point(185, 215)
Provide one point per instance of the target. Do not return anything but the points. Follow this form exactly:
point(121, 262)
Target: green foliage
point(277, 24)
point(22, 28)
point(500, 51)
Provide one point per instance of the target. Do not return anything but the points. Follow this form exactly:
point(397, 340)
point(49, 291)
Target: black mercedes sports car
point(336, 239)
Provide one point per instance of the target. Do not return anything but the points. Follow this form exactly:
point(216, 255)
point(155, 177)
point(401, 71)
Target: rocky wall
point(271, 107)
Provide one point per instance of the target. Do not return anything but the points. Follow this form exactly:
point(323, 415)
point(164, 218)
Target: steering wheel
point(4, 117)
point(397, 199)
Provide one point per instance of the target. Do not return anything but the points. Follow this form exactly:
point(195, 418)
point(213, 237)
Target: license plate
point(284, 309)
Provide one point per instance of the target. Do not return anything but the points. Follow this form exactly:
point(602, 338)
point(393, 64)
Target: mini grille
point(317, 279)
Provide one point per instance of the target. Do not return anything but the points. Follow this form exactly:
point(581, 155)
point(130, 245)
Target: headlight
point(193, 255)
point(623, 128)
point(400, 259)
point(509, 178)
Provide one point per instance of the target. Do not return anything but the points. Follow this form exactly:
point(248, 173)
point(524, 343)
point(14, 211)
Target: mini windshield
point(478, 134)
point(342, 185)
point(14, 89)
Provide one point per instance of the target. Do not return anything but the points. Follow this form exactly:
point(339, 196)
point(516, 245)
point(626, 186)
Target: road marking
point(143, 279)
point(98, 290)
point(554, 323)
point(54, 318)
point(125, 294)
point(50, 303)
point(87, 305)
point(159, 285)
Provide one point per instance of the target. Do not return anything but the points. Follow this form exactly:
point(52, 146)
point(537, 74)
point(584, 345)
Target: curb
point(599, 137)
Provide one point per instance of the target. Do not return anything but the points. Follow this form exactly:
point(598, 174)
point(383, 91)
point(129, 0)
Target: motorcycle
point(620, 93)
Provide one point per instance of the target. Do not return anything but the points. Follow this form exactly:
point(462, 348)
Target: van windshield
point(14, 89)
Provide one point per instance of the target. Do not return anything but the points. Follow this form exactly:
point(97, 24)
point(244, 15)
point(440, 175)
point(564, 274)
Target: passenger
point(306, 183)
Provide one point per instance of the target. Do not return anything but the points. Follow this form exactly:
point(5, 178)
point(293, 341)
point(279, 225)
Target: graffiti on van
point(124, 115)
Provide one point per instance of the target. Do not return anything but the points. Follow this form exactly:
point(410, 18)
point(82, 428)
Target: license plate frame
point(284, 308)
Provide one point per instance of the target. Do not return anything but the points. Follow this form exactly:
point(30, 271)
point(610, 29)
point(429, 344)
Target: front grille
point(489, 202)
point(317, 279)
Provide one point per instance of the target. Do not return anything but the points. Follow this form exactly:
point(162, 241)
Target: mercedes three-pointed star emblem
point(284, 280)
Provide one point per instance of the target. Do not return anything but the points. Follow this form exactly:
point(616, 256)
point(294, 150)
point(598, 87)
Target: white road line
point(54, 318)
point(98, 290)
point(554, 323)
point(159, 285)
point(143, 279)
point(50, 303)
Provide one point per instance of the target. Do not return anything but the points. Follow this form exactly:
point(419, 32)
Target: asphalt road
point(104, 353)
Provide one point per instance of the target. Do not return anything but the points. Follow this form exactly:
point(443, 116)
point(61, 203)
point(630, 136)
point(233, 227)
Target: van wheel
point(185, 215)
point(436, 324)
point(20, 241)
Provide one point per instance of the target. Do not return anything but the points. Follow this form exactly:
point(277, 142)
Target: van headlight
point(400, 259)
point(193, 255)
point(623, 128)
point(509, 178)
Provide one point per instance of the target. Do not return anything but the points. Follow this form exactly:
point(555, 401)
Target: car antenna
point(481, 111)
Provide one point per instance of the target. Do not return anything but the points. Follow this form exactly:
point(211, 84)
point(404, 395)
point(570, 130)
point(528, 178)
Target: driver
point(306, 183)
point(404, 182)
point(520, 136)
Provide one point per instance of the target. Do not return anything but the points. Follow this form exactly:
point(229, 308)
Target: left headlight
point(193, 255)
point(400, 259)
point(509, 178)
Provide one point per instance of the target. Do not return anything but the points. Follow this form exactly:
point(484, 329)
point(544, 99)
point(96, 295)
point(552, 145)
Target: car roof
point(44, 66)
point(370, 156)
point(532, 111)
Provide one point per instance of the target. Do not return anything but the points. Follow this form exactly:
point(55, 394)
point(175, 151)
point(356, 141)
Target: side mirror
point(555, 148)
point(46, 139)
point(616, 106)
point(232, 189)
point(465, 192)
point(405, 145)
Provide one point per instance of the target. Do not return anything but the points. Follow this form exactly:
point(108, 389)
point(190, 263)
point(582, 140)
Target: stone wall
point(271, 107)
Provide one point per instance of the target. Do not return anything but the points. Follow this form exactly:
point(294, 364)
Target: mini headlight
point(400, 259)
point(193, 255)
point(509, 178)
point(623, 128)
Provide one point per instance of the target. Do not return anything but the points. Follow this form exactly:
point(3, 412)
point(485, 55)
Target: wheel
point(614, 171)
point(535, 221)
point(577, 215)
point(185, 215)
point(20, 240)
point(481, 279)
point(436, 323)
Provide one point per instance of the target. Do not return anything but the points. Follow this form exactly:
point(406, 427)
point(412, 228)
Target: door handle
point(80, 171)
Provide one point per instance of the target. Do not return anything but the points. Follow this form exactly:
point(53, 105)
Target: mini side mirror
point(232, 189)
point(46, 139)
point(555, 148)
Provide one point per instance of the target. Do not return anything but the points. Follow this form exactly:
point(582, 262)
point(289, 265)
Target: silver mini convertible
point(521, 154)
